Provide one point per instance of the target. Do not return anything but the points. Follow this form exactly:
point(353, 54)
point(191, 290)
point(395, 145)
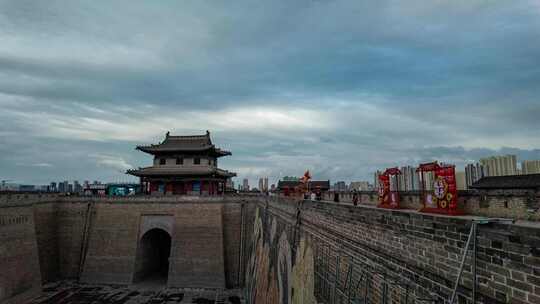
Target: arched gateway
point(153, 253)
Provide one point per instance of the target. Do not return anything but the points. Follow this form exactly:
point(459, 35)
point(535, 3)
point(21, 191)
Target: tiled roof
point(190, 143)
point(181, 171)
point(529, 181)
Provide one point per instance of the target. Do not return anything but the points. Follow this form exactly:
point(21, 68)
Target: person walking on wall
point(355, 198)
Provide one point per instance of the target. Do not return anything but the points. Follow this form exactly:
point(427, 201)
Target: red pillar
point(153, 187)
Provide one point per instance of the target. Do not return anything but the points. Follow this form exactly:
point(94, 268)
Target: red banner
point(445, 188)
point(384, 188)
point(387, 198)
point(444, 195)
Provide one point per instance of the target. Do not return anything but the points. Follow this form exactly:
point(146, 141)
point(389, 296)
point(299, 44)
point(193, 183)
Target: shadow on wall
point(274, 276)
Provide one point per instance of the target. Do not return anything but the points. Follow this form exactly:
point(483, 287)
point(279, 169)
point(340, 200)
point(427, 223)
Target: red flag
point(306, 177)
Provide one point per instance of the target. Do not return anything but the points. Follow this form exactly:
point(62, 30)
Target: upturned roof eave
point(146, 172)
point(157, 150)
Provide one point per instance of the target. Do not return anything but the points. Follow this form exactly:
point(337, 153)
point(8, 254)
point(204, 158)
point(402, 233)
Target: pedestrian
point(319, 195)
point(355, 198)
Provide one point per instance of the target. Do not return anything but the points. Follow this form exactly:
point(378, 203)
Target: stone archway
point(153, 253)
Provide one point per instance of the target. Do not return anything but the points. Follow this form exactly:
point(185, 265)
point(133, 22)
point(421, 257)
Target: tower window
point(197, 161)
point(179, 160)
point(162, 161)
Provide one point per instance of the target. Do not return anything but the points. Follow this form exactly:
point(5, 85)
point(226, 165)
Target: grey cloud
point(397, 82)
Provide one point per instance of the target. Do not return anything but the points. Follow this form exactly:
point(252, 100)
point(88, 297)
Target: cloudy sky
point(338, 87)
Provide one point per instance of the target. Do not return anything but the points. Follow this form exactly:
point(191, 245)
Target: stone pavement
point(69, 292)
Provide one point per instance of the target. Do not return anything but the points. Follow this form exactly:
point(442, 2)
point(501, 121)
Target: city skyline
point(342, 88)
point(406, 183)
point(408, 180)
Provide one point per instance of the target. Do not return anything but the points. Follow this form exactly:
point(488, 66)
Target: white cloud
point(45, 165)
point(38, 165)
point(342, 87)
point(142, 123)
point(114, 162)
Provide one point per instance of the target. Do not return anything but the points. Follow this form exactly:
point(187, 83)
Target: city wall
point(515, 204)
point(49, 237)
point(281, 250)
point(197, 253)
point(307, 250)
point(20, 277)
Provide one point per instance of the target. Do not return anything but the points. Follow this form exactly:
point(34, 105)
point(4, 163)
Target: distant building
point(77, 188)
point(530, 167)
point(261, 185)
point(461, 181)
point(5, 186)
point(63, 187)
point(52, 187)
point(429, 178)
point(473, 172)
point(500, 165)
point(340, 186)
point(376, 179)
point(26, 188)
point(360, 186)
point(245, 185)
point(183, 165)
point(95, 190)
point(409, 179)
point(265, 184)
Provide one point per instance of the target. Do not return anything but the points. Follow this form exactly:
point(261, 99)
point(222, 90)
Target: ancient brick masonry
point(422, 250)
point(275, 248)
point(507, 203)
point(20, 277)
point(45, 239)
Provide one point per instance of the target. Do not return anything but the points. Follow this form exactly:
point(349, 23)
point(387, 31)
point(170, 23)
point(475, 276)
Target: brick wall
point(515, 204)
point(215, 245)
point(46, 227)
point(203, 253)
point(20, 276)
point(198, 252)
point(96, 240)
point(232, 225)
point(407, 248)
point(70, 219)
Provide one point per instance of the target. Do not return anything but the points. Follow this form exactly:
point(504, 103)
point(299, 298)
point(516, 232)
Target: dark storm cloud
point(342, 87)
